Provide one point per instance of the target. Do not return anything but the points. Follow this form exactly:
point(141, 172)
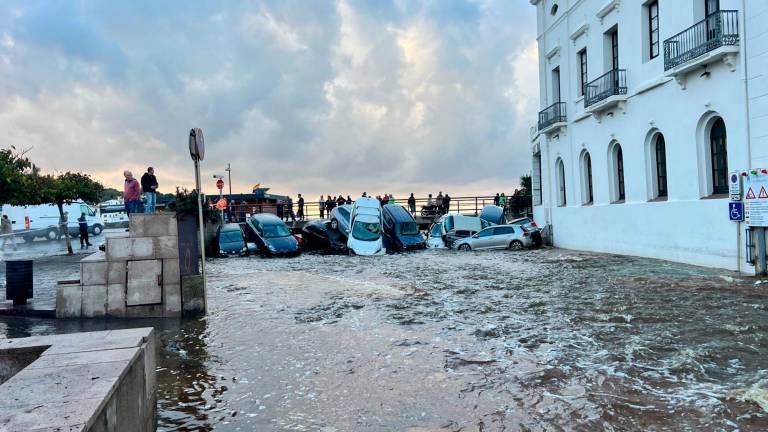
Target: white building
point(646, 106)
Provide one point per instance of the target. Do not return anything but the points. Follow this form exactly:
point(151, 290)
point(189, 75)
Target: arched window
point(560, 171)
point(660, 154)
point(718, 146)
point(617, 173)
point(586, 170)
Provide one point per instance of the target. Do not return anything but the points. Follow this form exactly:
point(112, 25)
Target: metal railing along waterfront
point(719, 29)
point(516, 205)
point(611, 83)
point(552, 114)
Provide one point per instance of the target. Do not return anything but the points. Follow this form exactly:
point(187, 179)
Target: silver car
point(496, 237)
point(340, 218)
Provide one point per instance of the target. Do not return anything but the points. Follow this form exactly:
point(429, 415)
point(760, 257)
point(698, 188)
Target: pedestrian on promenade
point(412, 204)
point(330, 203)
point(502, 200)
point(365, 195)
point(340, 201)
point(385, 199)
point(321, 204)
point(439, 202)
point(349, 200)
point(149, 186)
point(496, 199)
point(447, 203)
point(6, 231)
point(430, 201)
point(82, 225)
point(391, 199)
point(300, 214)
point(290, 214)
point(379, 199)
point(280, 209)
point(131, 193)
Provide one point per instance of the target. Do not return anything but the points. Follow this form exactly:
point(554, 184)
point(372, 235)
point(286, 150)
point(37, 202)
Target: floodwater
point(438, 340)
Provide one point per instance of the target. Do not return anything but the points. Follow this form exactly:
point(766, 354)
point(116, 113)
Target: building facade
point(646, 107)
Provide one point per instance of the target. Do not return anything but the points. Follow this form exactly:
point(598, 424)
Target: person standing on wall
point(149, 186)
point(412, 204)
point(131, 193)
point(300, 214)
point(82, 225)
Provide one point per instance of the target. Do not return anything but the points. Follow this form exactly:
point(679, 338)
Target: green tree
point(14, 168)
point(109, 194)
point(525, 185)
point(63, 189)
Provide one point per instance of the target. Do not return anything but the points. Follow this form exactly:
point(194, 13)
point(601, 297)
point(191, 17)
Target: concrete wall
point(687, 226)
point(97, 381)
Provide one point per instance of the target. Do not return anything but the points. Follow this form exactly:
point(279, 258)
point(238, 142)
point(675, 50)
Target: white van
point(31, 222)
point(453, 226)
point(365, 228)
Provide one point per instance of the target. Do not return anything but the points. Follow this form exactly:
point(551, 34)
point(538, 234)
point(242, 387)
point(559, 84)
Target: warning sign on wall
point(756, 199)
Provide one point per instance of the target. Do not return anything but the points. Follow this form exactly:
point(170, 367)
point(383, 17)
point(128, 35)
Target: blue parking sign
point(736, 211)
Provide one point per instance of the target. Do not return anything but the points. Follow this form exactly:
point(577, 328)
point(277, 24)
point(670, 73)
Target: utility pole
point(229, 175)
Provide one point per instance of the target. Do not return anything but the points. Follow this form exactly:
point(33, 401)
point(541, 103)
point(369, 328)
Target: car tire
point(334, 224)
point(28, 238)
point(52, 234)
point(97, 230)
point(465, 247)
point(516, 245)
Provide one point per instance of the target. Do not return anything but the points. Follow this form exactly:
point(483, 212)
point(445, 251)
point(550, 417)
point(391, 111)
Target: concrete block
point(130, 248)
point(171, 273)
point(192, 296)
point(117, 272)
point(172, 300)
point(116, 300)
point(93, 272)
point(96, 256)
point(69, 300)
point(153, 225)
point(94, 301)
point(148, 311)
point(166, 247)
point(144, 279)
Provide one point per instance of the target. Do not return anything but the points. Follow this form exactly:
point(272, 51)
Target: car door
point(484, 239)
point(502, 236)
point(344, 222)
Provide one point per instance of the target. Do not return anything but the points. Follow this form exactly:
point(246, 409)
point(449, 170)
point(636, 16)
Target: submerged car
point(318, 235)
point(340, 219)
point(365, 234)
point(493, 214)
point(531, 226)
point(230, 241)
point(497, 237)
point(401, 232)
point(272, 235)
point(453, 226)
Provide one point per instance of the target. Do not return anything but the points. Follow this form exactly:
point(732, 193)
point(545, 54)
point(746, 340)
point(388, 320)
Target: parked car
point(271, 235)
point(365, 235)
point(401, 232)
point(493, 214)
point(497, 237)
point(453, 226)
point(340, 219)
point(230, 241)
point(318, 235)
point(531, 226)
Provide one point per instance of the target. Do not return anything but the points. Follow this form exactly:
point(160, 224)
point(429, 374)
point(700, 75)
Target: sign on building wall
point(734, 186)
point(756, 199)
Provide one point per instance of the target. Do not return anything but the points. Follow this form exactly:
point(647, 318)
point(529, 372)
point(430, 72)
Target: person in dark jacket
point(340, 201)
point(496, 199)
point(321, 204)
point(82, 224)
point(149, 187)
point(300, 213)
point(330, 203)
point(289, 210)
point(447, 203)
point(349, 200)
point(412, 204)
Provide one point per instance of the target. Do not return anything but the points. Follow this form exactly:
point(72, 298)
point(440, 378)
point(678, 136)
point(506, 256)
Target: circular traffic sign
point(220, 184)
point(196, 144)
point(221, 204)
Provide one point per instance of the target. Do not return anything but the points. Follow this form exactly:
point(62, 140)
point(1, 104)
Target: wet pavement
point(444, 341)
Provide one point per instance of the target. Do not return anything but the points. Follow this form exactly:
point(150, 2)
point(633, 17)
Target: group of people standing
point(328, 204)
point(500, 200)
point(132, 191)
point(441, 202)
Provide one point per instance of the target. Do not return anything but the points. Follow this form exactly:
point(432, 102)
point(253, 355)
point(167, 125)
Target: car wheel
point(465, 247)
point(28, 238)
point(97, 230)
point(52, 234)
point(516, 245)
point(335, 224)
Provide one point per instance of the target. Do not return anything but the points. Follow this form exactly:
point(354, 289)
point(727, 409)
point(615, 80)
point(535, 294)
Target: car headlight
point(221, 251)
point(245, 249)
point(272, 248)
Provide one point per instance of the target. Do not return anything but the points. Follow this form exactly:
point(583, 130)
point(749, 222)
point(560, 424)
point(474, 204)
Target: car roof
point(267, 218)
point(367, 202)
point(367, 218)
point(398, 213)
point(230, 227)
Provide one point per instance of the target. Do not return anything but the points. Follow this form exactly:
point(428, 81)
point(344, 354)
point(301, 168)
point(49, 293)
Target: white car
point(453, 226)
point(497, 237)
point(365, 232)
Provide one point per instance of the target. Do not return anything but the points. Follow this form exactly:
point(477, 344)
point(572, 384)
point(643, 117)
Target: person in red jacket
point(131, 193)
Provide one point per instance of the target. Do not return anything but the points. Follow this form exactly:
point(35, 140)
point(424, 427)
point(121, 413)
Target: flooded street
point(445, 341)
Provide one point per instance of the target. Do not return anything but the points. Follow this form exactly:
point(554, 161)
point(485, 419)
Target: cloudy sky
point(302, 96)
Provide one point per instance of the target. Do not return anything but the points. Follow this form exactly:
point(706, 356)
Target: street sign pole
point(197, 151)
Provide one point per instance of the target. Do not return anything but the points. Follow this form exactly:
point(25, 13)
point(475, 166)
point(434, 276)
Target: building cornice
point(583, 28)
point(607, 8)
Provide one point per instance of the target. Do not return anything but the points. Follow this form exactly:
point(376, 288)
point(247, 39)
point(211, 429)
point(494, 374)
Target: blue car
point(272, 236)
point(401, 232)
point(230, 241)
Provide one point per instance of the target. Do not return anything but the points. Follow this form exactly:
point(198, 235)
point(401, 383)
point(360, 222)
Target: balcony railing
point(719, 29)
point(552, 114)
point(611, 83)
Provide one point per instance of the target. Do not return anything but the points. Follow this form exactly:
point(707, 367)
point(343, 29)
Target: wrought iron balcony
point(719, 29)
point(552, 114)
point(611, 83)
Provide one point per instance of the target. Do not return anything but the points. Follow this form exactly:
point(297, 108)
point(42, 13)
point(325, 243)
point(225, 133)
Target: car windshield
point(409, 228)
point(436, 232)
point(366, 231)
point(272, 231)
point(231, 237)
